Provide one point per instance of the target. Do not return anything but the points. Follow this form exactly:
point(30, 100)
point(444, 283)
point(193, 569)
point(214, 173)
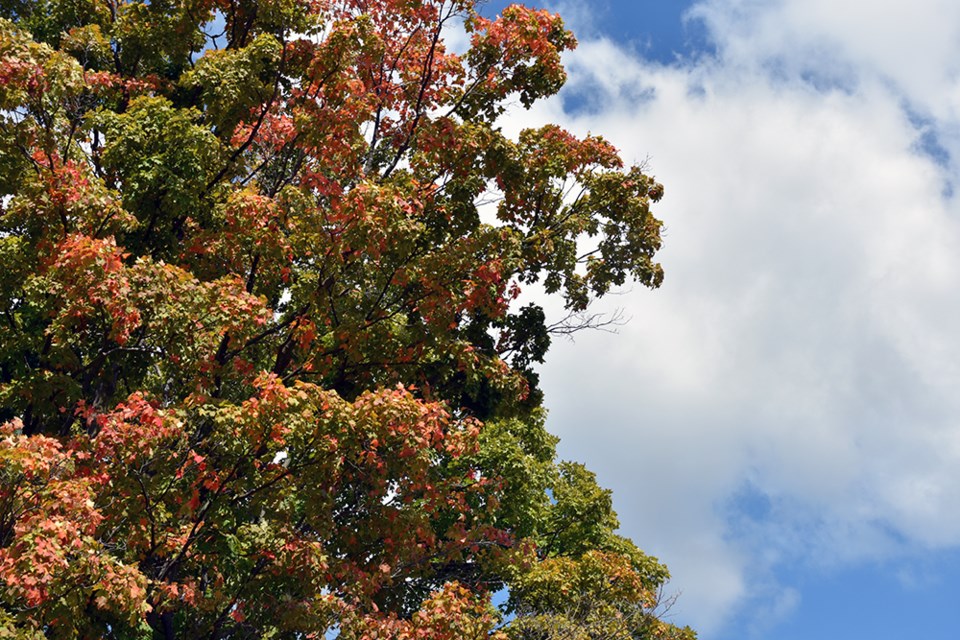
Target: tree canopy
point(263, 373)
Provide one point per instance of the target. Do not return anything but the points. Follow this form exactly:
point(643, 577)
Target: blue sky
point(780, 422)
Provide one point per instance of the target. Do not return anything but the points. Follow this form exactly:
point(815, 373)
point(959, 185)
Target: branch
point(579, 320)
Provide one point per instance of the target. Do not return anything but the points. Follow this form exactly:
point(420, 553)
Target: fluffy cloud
point(790, 392)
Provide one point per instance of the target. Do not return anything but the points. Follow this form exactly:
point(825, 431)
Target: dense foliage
point(262, 372)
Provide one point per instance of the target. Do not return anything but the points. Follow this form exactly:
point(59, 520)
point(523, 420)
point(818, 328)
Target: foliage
point(261, 370)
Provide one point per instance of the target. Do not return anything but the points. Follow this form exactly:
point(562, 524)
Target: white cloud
point(804, 344)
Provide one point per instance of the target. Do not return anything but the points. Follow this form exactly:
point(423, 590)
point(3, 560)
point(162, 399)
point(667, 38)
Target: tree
point(261, 369)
